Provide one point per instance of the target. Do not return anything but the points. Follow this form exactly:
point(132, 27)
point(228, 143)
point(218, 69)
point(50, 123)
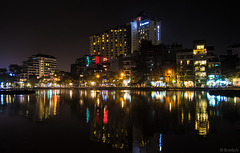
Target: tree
point(139, 74)
point(33, 80)
point(186, 74)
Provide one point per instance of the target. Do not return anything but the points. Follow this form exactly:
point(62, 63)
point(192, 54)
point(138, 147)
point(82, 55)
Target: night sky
point(62, 29)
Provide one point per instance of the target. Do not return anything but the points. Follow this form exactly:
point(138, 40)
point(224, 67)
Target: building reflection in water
point(47, 104)
point(137, 121)
point(110, 122)
point(131, 121)
point(38, 107)
point(201, 120)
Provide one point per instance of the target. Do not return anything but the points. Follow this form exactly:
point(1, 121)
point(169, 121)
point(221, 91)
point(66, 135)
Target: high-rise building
point(144, 28)
point(111, 43)
point(39, 65)
point(126, 39)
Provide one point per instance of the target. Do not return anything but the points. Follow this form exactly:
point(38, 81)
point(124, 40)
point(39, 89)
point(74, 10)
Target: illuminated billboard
point(144, 23)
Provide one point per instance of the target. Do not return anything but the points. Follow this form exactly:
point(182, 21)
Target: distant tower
point(144, 28)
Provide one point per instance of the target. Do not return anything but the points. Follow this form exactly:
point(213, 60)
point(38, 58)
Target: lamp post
point(121, 78)
point(169, 73)
point(97, 78)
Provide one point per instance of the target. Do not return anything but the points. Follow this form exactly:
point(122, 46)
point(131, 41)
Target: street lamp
point(169, 73)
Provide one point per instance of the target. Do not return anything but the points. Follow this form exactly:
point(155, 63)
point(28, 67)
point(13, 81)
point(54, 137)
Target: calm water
point(119, 121)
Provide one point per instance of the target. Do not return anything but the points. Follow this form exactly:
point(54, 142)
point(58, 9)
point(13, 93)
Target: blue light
point(88, 61)
point(144, 23)
point(2, 101)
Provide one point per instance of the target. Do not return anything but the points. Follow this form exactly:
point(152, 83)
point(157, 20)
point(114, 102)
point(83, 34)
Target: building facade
point(198, 66)
point(144, 28)
point(39, 65)
point(111, 43)
point(125, 39)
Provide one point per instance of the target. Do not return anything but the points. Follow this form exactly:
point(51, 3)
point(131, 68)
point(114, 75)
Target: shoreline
point(143, 88)
point(229, 92)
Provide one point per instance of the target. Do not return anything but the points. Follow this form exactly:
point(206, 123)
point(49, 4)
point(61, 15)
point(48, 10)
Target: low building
point(198, 66)
point(184, 59)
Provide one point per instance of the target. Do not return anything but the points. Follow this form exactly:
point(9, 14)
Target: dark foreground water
point(119, 121)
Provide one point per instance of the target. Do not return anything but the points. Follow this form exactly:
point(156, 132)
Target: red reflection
point(97, 117)
point(105, 117)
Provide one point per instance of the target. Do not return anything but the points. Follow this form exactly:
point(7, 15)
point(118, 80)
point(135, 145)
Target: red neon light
point(97, 59)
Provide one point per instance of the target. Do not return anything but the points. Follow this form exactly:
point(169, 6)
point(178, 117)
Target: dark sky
point(61, 28)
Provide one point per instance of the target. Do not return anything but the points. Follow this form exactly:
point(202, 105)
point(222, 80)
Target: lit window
point(203, 62)
point(202, 69)
point(200, 46)
point(188, 62)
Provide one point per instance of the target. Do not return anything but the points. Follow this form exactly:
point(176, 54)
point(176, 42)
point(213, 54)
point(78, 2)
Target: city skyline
point(63, 29)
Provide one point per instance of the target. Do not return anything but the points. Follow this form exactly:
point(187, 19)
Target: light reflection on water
point(136, 121)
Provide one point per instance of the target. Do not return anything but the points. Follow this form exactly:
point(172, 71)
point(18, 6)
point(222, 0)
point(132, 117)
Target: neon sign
point(144, 23)
point(88, 62)
point(158, 31)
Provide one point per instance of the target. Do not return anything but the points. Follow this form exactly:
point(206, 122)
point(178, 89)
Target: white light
point(144, 23)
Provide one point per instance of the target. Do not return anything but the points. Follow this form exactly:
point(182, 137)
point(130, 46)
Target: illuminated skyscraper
point(126, 39)
point(144, 28)
point(111, 43)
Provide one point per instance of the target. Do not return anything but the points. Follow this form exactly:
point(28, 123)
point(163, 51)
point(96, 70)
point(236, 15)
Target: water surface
point(119, 121)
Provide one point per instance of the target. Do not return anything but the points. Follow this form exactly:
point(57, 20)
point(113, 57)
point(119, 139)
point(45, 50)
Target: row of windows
point(112, 37)
point(181, 62)
point(112, 42)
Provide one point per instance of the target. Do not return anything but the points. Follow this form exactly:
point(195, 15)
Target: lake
point(65, 120)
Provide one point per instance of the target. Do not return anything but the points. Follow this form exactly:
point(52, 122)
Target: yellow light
point(97, 76)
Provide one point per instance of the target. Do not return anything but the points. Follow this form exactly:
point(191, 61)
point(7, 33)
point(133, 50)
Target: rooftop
point(43, 55)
